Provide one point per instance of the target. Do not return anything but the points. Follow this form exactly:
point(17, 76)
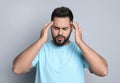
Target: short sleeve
point(35, 60)
point(85, 63)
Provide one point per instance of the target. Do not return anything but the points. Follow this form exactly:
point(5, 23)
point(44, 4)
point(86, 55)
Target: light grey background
point(22, 20)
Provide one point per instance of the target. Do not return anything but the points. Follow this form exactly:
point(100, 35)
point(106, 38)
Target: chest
point(61, 61)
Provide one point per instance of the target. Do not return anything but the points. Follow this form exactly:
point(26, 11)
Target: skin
point(98, 65)
point(61, 31)
point(61, 28)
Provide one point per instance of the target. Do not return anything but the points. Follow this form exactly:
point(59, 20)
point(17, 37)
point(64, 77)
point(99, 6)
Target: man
point(60, 60)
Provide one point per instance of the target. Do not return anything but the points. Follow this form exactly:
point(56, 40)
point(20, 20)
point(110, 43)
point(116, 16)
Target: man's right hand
point(44, 32)
point(23, 62)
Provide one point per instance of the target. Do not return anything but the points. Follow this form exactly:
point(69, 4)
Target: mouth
point(60, 39)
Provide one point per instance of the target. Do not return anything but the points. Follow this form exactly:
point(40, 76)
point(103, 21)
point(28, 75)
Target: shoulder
point(47, 46)
point(76, 47)
point(73, 44)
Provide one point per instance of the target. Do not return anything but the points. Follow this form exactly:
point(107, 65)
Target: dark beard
point(59, 43)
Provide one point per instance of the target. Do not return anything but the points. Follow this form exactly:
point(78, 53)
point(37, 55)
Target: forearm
point(24, 60)
point(97, 63)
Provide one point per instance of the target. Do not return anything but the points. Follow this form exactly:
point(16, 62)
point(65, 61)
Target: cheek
point(67, 33)
point(54, 33)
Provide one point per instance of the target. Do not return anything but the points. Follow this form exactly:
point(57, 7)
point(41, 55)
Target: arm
point(23, 62)
point(98, 64)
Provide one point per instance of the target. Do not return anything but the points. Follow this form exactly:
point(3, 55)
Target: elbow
point(103, 72)
point(16, 71)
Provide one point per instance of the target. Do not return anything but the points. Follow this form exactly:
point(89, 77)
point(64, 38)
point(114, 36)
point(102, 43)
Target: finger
point(75, 26)
point(79, 27)
point(72, 25)
point(49, 25)
point(46, 24)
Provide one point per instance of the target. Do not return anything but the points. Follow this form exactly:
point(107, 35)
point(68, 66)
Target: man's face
point(61, 30)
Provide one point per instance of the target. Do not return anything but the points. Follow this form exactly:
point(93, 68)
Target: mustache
point(60, 36)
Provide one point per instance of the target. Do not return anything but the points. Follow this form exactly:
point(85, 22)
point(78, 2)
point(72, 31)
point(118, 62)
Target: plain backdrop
point(22, 20)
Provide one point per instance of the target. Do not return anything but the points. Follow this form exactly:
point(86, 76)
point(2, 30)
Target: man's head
point(62, 18)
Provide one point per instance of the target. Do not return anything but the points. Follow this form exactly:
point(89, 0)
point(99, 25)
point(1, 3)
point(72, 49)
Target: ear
point(71, 26)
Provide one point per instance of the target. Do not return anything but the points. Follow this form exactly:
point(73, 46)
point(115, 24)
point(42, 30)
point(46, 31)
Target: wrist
point(80, 43)
point(41, 41)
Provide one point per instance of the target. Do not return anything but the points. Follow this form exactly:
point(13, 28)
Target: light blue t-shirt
point(59, 64)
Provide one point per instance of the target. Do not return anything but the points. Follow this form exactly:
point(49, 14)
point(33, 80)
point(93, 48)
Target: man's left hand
point(78, 32)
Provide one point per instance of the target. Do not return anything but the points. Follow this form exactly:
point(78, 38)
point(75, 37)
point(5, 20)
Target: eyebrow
point(61, 27)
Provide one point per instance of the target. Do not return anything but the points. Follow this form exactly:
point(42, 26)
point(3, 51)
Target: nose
point(60, 32)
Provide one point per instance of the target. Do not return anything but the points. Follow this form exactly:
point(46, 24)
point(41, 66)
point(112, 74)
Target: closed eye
point(65, 28)
point(56, 28)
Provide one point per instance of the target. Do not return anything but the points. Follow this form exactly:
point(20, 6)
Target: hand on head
point(44, 31)
point(78, 32)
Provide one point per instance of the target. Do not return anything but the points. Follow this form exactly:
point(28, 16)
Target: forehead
point(61, 22)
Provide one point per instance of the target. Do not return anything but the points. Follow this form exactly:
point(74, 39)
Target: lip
point(60, 38)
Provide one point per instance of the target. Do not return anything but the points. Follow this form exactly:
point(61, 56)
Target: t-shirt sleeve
point(35, 60)
point(85, 63)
